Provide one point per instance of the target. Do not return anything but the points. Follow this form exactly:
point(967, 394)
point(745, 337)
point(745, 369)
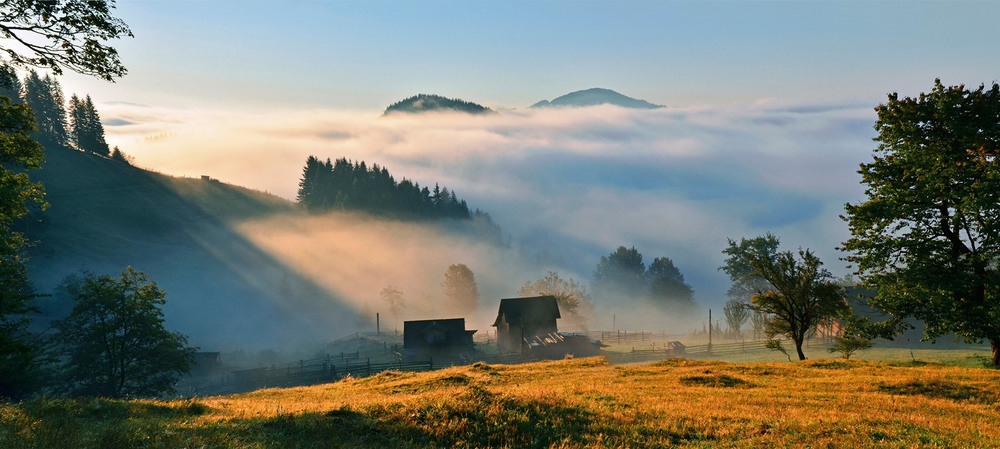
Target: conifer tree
point(10, 85)
point(45, 97)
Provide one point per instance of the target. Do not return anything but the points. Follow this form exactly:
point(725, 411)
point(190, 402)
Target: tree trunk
point(798, 348)
point(995, 346)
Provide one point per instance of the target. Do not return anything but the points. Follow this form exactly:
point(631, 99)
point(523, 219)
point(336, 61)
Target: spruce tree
point(45, 97)
point(10, 85)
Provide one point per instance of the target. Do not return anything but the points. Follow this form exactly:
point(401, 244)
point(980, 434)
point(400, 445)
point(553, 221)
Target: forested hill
point(595, 97)
point(427, 103)
point(343, 185)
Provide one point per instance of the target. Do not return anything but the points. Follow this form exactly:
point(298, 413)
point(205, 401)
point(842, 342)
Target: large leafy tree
point(927, 239)
point(18, 153)
point(114, 343)
point(798, 293)
point(66, 33)
point(460, 290)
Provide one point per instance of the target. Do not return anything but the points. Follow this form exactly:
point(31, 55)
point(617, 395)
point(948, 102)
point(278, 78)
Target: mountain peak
point(428, 103)
point(594, 97)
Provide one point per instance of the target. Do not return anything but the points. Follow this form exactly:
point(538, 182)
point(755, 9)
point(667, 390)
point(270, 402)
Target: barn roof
point(535, 308)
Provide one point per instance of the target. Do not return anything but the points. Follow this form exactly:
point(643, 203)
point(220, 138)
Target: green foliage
point(46, 99)
point(66, 33)
point(114, 343)
point(425, 103)
point(853, 336)
point(19, 362)
point(623, 274)
point(927, 239)
point(572, 297)
point(87, 130)
point(666, 283)
point(342, 185)
point(746, 281)
point(796, 294)
point(775, 345)
point(10, 85)
point(460, 290)
point(120, 156)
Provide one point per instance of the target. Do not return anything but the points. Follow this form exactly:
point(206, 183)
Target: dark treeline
point(423, 103)
point(343, 185)
point(76, 125)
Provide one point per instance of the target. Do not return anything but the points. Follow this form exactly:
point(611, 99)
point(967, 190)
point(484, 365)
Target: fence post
point(430, 363)
point(368, 366)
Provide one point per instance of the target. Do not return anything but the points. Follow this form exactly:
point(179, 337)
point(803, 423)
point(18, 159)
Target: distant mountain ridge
point(428, 103)
point(595, 97)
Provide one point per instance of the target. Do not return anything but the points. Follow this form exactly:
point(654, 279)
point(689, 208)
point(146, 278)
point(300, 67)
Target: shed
point(523, 319)
point(433, 337)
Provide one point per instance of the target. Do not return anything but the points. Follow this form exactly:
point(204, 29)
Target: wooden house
point(442, 337)
point(522, 319)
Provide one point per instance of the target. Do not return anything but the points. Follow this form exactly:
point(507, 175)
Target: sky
point(769, 108)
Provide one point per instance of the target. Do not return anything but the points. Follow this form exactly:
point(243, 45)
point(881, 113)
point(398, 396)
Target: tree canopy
point(86, 128)
point(927, 238)
point(45, 96)
point(19, 152)
point(114, 342)
point(355, 186)
point(460, 290)
point(799, 293)
point(624, 274)
point(572, 297)
point(65, 33)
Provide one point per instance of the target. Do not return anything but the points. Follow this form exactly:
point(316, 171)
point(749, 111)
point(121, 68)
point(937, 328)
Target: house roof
point(522, 310)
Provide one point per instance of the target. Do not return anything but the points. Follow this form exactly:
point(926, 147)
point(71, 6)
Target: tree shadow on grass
point(942, 389)
point(476, 418)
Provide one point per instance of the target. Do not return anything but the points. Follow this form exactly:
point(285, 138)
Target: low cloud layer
point(566, 185)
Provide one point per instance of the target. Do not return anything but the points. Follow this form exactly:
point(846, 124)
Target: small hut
point(522, 319)
point(442, 337)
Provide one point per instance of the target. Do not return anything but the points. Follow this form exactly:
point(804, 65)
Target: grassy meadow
point(563, 404)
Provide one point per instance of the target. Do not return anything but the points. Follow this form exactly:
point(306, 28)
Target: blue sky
point(769, 110)
point(509, 54)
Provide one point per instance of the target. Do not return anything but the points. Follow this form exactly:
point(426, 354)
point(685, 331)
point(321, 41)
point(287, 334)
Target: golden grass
point(574, 403)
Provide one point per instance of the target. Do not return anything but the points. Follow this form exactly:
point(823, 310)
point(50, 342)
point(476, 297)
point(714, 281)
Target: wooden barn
point(522, 319)
point(429, 338)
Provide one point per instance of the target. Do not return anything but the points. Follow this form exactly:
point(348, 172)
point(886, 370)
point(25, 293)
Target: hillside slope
point(222, 290)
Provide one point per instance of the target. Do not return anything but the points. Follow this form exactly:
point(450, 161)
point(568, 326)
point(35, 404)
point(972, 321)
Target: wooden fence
point(333, 367)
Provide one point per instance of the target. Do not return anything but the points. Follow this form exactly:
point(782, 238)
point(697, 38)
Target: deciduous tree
point(736, 313)
point(65, 33)
point(799, 293)
point(460, 290)
point(114, 342)
point(572, 297)
point(927, 239)
point(19, 152)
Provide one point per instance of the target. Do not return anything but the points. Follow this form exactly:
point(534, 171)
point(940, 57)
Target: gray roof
point(526, 310)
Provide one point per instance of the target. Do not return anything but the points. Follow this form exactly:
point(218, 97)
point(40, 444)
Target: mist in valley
point(566, 186)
